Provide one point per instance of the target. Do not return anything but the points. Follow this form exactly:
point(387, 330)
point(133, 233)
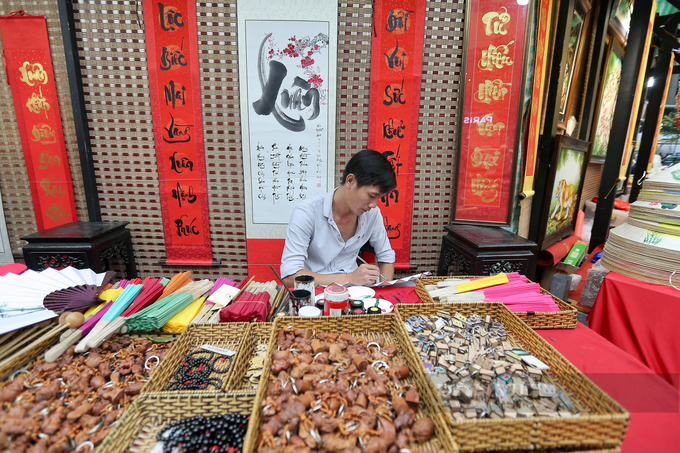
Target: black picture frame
point(573, 58)
point(565, 184)
point(606, 100)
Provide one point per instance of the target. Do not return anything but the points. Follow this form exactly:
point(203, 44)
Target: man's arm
point(364, 275)
point(387, 270)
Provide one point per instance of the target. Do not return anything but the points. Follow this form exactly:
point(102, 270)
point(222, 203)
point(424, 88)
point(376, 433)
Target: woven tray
point(604, 428)
point(369, 327)
point(136, 430)
point(42, 336)
point(228, 335)
point(563, 319)
point(258, 335)
point(39, 353)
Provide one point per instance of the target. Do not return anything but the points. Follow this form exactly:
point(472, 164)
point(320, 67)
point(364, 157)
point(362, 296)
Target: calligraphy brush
point(364, 261)
point(291, 297)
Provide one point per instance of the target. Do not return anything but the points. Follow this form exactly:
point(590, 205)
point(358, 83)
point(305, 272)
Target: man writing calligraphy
point(326, 232)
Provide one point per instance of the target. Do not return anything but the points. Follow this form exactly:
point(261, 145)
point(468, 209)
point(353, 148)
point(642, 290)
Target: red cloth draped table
point(652, 402)
point(642, 319)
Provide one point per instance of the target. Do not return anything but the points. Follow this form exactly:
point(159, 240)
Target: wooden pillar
point(75, 81)
point(630, 70)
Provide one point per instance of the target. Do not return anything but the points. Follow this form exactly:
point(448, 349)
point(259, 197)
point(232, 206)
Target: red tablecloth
point(642, 319)
point(652, 402)
point(395, 294)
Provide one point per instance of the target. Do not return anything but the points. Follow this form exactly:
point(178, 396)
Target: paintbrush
point(364, 261)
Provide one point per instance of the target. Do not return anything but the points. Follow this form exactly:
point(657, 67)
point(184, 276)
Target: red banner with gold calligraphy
point(172, 49)
point(28, 63)
point(396, 69)
point(493, 83)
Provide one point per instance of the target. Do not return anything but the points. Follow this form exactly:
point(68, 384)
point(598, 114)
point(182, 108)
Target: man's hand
point(365, 275)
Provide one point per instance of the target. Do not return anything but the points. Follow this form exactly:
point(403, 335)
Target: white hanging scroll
point(287, 73)
point(288, 104)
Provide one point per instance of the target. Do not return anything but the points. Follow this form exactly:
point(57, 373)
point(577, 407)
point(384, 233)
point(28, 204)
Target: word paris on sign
point(172, 50)
point(493, 92)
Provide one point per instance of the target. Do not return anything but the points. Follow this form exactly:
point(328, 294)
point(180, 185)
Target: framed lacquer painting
point(565, 184)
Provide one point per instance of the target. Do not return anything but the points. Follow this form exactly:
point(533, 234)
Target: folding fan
point(22, 296)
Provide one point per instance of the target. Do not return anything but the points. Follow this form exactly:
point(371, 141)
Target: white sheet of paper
point(404, 281)
point(223, 295)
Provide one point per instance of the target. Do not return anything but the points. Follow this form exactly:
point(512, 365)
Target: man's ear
point(350, 180)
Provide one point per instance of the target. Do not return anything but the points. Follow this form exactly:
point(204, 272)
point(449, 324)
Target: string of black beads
point(213, 434)
point(194, 373)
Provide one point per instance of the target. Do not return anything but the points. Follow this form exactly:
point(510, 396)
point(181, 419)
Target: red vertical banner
point(172, 49)
point(396, 71)
point(28, 63)
point(540, 65)
point(493, 83)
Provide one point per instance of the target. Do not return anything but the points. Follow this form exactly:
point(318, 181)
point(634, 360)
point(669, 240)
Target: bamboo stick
point(51, 334)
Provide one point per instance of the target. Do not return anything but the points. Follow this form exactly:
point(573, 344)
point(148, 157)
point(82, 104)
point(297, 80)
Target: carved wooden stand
point(476, 250)
point(81, 245)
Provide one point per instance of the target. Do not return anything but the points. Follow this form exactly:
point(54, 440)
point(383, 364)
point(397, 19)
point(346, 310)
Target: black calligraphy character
point(394, 95)
point(396, 61)
point(395, 161)
point(172, 95)
point(394, 194)
point(171, 58)
point(270, 89)
point(170, 18)
point(188, 229)
point(178, 165)
point(398, 20)
point(389, 131)
point(179, 195)
point(393, 231)
point(177, 132)
point(298, 101)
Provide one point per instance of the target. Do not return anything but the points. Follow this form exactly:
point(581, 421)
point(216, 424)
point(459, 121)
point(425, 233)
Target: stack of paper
point(647, 246)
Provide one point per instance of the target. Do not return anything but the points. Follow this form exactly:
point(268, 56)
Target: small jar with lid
point(373, 310)
point(356, 307)
point(336, 300)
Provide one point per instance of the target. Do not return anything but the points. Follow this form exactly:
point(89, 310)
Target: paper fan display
point(72, 298)
point(22, 295)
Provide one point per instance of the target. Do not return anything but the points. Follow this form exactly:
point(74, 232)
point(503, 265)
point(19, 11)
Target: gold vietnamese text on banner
point(172, 49)
point(28, 63)
point(396, 72)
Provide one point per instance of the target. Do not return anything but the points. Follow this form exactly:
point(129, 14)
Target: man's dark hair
point(371, 168)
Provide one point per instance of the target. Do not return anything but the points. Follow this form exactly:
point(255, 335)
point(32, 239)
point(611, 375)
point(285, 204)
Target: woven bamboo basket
point(563, 319)
point(13, 341)
point(604, 428)
point(228, 335)
point(258, 335)
point(369, 327)
point(136, 430)
point(39, 353)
